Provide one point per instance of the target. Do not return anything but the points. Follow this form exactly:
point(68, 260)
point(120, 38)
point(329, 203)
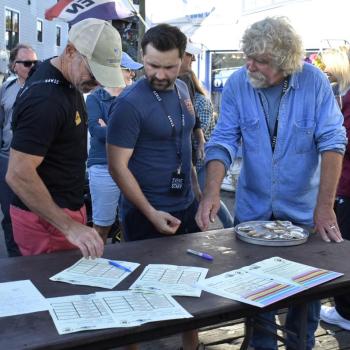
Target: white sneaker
point(330, 315)
point(227, 184)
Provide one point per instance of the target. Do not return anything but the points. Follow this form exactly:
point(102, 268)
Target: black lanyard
point(273, 137)
point(178, 143)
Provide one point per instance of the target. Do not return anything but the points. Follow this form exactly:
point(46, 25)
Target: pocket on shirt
point(250, 134)
point(304, 135)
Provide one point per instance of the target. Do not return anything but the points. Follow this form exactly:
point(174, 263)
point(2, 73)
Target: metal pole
point(141, 14)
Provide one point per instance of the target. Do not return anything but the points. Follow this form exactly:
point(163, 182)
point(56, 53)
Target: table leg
point(302, 334)
point(248, 330)
point(251, 322)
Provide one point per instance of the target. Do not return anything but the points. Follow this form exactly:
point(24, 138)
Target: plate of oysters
point(271, 233)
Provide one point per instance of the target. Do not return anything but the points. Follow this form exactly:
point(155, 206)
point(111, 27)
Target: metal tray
point(268, 236)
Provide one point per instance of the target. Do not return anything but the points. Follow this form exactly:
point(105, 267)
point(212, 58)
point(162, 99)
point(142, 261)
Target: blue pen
point(114, 263)
point(202, 255)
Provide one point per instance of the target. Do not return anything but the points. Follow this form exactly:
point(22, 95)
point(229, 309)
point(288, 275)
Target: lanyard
point(178, 143)
point(273, 137)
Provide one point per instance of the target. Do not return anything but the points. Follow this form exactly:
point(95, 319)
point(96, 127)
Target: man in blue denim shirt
point(292, 144)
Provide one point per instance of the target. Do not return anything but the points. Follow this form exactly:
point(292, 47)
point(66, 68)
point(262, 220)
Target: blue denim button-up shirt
point(284, 182)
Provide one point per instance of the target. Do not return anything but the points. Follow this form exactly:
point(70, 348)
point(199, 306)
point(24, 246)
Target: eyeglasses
point(88, 67)
point(27, 64)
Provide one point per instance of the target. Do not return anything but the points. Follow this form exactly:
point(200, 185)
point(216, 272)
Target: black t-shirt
point(50, 121)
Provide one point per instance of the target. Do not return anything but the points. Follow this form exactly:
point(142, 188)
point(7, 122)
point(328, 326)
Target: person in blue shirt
point(149, 147)
point(292, 146)
point(104, 191)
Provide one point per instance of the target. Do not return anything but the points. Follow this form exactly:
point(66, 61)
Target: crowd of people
point(277, 108)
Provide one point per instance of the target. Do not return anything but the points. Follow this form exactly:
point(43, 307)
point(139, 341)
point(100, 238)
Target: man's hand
point(206, 213)
point(164, 222)
point(326, 224)
point(101, 122)
point(86, 239)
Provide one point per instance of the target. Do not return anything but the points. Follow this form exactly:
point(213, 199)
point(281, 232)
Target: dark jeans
point(342, 210)
point(266, 341)
point(136, 226)
point(6, 196)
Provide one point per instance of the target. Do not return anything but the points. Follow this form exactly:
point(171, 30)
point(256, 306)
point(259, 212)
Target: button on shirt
point(283, 183)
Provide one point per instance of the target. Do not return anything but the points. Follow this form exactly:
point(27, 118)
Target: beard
point(160, 85)
point(258, 80)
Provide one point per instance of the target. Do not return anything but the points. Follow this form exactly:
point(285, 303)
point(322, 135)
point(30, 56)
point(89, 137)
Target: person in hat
point(104, 191)
point(185, 74)
point(49, 147)
point(22, 59)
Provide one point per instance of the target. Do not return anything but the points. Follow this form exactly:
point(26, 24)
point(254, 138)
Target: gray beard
point(258, 80)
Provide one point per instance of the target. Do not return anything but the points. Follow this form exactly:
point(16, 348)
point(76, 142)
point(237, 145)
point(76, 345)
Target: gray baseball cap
point(101, 44)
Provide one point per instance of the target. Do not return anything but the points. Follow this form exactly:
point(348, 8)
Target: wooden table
point(37, 331)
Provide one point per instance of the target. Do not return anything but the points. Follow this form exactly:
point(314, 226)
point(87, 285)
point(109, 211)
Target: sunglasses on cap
point(27, 64)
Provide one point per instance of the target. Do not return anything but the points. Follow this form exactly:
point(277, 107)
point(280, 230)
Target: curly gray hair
point(275, 38)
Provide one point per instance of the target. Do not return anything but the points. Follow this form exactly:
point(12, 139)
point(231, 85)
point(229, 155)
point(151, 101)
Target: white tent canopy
point(314, 20)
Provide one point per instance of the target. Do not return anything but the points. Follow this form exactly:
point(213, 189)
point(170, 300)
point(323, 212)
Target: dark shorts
point(136, 226)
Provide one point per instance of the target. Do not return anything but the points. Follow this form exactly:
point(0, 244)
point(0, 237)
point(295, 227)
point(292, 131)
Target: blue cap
point(128, 62)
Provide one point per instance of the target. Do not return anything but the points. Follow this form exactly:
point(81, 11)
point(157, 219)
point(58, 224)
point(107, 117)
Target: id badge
point(177, 183)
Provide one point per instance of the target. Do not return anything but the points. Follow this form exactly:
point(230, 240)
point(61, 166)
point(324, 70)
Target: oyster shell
point(271, 225)
point(245, 228)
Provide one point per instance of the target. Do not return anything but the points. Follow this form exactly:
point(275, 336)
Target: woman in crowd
point(22, 59)
point(337, 66)
point(205, 112)
point(104, 191)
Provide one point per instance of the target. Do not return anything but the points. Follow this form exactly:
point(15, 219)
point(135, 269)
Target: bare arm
point(324, 216)
point(118, 160)
point(195, 185)
point(24, 180)
point(199, 135)
point(210, 202)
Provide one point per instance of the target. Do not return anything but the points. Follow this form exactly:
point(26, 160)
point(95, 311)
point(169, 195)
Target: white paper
point(267, 281)
point(112, 309)
point(171, 279)
point(131, 308)
point(79, 313)
point(95, 272)
point(249, 288)
point(292, 272)
point(20, 297)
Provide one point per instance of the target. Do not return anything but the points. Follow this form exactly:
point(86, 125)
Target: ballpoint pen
point(114, 263)
point(202, 255)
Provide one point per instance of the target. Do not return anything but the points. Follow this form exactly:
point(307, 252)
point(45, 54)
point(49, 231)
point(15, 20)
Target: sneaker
point(330, 315)
point(227, 184)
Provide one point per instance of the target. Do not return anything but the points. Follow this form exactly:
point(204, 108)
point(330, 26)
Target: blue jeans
point(223, 213)
point(6, 196)
point(266, 341)
point(104, 195)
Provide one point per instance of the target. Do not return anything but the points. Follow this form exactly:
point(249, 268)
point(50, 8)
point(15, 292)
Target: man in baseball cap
point(100, 43)
point(49, 148)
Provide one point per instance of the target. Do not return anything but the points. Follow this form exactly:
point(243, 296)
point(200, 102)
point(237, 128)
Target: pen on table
point(202, 255)
point(114, 263)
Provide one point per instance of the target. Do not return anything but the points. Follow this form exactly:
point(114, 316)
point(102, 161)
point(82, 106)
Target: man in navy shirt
point(149, 143)
point(149, 146)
